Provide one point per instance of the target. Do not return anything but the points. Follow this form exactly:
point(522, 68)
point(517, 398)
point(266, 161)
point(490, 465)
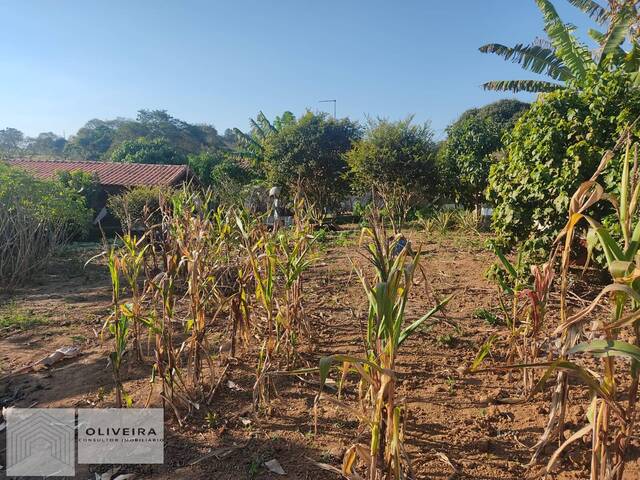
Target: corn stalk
point(385, 457)
point(612, 412)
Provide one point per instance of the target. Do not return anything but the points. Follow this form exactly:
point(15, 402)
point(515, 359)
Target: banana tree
point(250, 146)
point(563, 58)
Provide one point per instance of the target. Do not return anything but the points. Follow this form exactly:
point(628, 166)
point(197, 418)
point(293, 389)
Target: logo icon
point(40, 441)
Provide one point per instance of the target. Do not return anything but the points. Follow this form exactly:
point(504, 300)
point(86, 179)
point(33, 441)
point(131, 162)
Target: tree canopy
point(250, 147)
point(143, 150)
point(554, 147)
point(98, 139)
point(308, 154)
point(396, 161)
point(472, 141)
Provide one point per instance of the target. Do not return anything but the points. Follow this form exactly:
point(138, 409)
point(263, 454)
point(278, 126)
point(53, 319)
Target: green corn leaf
point(507, 264)
point(576, 370)
point(326, 363)
point(614, 348)
point(414, 326)
point(483, 352)
point(612, 250)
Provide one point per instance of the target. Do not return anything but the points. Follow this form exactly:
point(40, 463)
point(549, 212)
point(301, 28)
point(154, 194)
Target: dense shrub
point(308, 154)
point(465, 157)
point(36, 218)
point(396, 161)
point(224, 173)
point(137, 207)
point(554, 147)
point(144, 150)
point(84, 183)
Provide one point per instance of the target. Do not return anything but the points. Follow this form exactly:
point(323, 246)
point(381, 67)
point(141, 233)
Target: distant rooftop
point(109, 173)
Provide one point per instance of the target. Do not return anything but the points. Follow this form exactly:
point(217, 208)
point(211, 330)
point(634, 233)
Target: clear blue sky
point(220, 62)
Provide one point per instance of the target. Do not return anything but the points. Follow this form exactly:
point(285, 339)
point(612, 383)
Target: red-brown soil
point(447, 412)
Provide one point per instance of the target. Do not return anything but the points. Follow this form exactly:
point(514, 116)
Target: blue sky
point(220, 62)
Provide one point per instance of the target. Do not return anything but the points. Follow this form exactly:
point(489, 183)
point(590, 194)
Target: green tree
point(229, 181)
point(563, 58)
point(554, 147)
point(204, 162)
point(11, 140)
point(98, 139)
point(472, 142)
point(184, 137)
point(308, 155)
point(249, 147)
point(46, 143)
point(222, 172)
point(92, 141)
point(395, 161)
point(142, 150)
point(83, 183)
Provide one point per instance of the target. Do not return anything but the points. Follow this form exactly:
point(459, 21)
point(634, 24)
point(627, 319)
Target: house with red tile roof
point(112, 177)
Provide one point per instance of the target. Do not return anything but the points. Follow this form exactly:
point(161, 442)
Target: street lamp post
point(334, 106)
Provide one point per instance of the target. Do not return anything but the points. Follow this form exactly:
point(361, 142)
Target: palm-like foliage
point(563, 58)
point(251, 145)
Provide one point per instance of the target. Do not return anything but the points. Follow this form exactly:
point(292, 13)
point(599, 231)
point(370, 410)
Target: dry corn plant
point(611, 415)
point(294, 258)
point(191, 242)
point(523, 306)
point(167, 365)
point(117, 323)
point(199, 248)
point(275, 263)
point(260, 248)
point(380, 411)
point(133, 264)
point(241, 305)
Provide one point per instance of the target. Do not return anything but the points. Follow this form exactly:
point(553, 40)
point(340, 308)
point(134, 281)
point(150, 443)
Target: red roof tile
point(109, 173)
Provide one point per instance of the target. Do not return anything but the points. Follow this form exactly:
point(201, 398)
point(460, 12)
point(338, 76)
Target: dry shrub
point(36, 218)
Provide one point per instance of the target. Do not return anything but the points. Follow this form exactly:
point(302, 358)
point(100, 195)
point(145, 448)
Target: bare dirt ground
point(447, 412)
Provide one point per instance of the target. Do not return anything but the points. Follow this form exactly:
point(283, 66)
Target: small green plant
point(118, 325)
point(132, 264)
point(344, 239)
point(467, 221)
point(211, 419)
point(447, 340)
point(255, 466)
point(451, 384)
point(14, 317)
point(523, 306)
point(488, 316)
point(441, 221)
